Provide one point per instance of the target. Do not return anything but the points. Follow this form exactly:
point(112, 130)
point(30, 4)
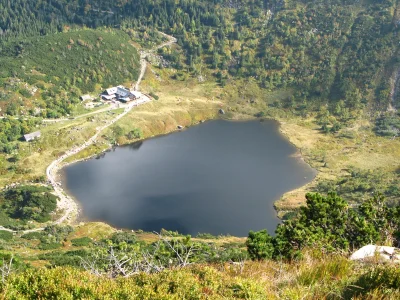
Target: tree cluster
point(28, 203)
point(330, 224)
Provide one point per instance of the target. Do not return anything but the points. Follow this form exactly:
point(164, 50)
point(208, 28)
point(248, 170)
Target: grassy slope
point(313, 278)
point(181, 103)
point(365, 151)
point(186, 103)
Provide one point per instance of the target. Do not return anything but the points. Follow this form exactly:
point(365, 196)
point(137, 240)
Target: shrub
point(127, 237)
point(153, 95)
point(32, 236)
point(383, 278)
point(28, 203)
point(49, 246)
point(6, 235)
point(81, 242)
point(25, 93)
point(136, 133)
point(206, 236)
point(69, 258)
point(260, 245)
point(58, 233)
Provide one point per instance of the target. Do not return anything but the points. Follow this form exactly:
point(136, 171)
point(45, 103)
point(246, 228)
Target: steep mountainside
point(335, 52)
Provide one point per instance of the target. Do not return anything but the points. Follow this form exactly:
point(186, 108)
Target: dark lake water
point(220, 177)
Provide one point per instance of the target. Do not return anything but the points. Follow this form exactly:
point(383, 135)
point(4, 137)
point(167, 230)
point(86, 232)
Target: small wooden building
point(86, 97)
point(32, 136)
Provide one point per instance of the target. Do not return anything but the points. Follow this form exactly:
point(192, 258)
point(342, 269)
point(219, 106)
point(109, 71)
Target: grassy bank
point(179, 104)
point(334, 156)
point(332, 277)
point(49, 265)
point(189, 102)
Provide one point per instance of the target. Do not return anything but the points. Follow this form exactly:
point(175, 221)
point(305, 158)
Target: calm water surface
point(220, 177)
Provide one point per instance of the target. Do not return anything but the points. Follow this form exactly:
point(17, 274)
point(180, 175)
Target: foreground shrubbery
point(326, 277)
point(330, 224)
point(69, 283)
point(305, 259)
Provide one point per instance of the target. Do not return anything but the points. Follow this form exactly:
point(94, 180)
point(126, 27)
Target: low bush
point(32, 236)
point(384, 280)
point(49, 246)
point(6, 235)
point(81, 242)
point(195, 283)
point(153, 95)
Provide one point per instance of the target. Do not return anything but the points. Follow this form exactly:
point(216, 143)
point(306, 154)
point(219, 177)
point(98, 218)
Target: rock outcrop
point(382, 252)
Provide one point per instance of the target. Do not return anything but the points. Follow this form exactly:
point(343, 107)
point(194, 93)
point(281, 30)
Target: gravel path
point(66, 203)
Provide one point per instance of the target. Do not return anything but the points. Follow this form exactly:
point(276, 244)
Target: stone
point(383, 252)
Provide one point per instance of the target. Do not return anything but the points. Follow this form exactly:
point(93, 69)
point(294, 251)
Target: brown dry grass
point(332, 156)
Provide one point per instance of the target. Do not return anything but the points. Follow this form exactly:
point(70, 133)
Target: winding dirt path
point(144, 54)
point(66, 202)
point(394, 90)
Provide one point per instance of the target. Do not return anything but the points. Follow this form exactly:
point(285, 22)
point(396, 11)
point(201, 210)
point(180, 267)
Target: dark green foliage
point(153, 95)
point(206, 236)
point(232, 254)
point(70, 63)
point(328, 223)
point(136, 133)
point(57, 233)
point(330, 51)
point(12, 129)
point(8, 222)
point(6, 235)
point(127, 237)
point(69, 258)
point(118, 131)
point(28, 203)
point(260, 245)
point(25, 93)
point(17, 264)
point(53, 235)
point(33, 236)
point(49, 246)
point(388, 125)
point(81, 242)
point(359, 184)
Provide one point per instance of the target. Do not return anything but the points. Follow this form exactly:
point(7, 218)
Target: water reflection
point(135, 146)
point(220, 177)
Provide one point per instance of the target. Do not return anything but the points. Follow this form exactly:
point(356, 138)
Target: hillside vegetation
point(328, 278)
point(46, 75)
point(328, 68)
point(336, 53)
point(306, 259)
point(26, 203)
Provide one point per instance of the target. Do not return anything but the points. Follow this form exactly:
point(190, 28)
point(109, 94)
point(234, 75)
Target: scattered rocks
point(381, 252)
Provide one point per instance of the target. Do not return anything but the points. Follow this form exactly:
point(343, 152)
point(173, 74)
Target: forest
point(338, 54)
point(51, 72)
point(26, 203)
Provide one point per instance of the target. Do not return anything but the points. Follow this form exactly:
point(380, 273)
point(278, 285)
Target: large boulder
point(382, 252)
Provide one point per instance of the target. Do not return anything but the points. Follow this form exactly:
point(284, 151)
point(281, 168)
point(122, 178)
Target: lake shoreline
point(297, 155)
